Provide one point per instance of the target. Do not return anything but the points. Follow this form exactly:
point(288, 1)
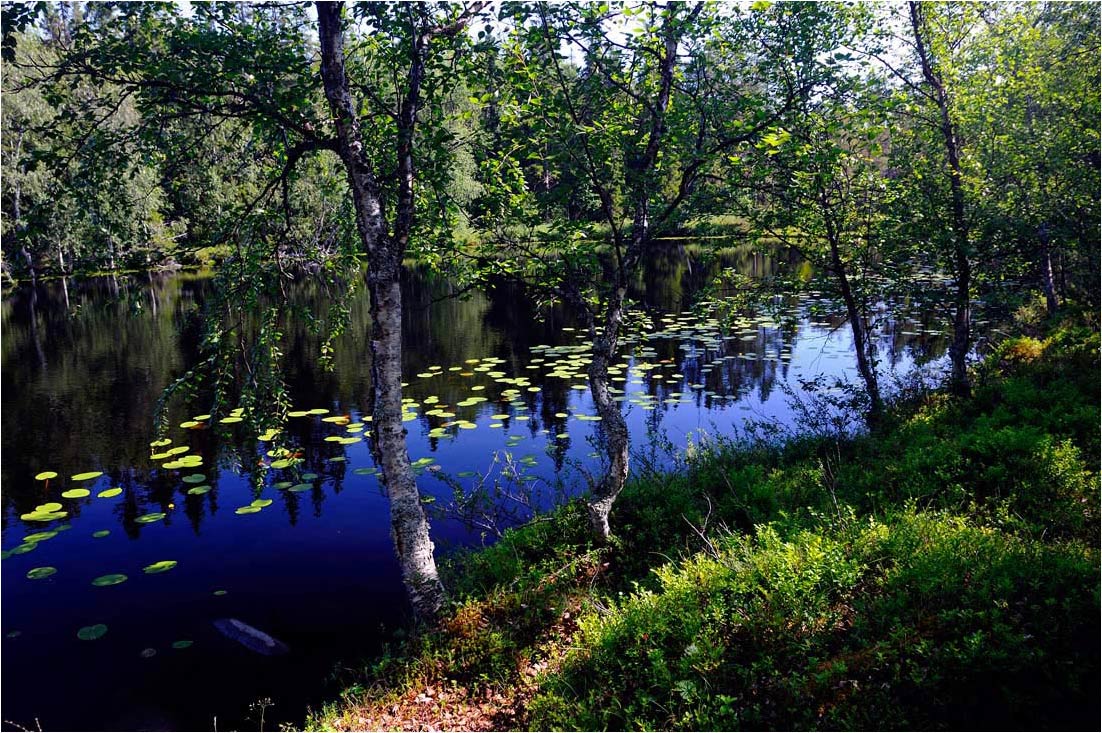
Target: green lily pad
point(161, 566)
point(337, 459)
point(24, 548)
point(40, 536)
point(365, 471)
point(182, 644)
point(91, 633)
point(101, 533)
point(466, 474)
point(309, 476)
point(230, 420)
point(261, 503)
point(42, 516)
point(220, 592)
point(111, 579)
point(247, 510)
point(195, 478)
point(160, 443)
point(201, 418)
point(283, 463)
point(198, 490)
point(75, 493)
point(283, 484)
point(39, 573)
point(50, 506)
point(189, 424)
point(318, 411)
point(87, 476)
point(177, 450)
point(150, 518)
point(45, 476)
point(147, 653)
point(108, 493)
point(5, 554)
point(298, 413)
point(299, 488)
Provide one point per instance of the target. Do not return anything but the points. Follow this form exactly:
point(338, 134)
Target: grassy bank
point(943, 573)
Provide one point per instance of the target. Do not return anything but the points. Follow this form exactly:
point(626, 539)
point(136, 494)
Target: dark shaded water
point(83, 369)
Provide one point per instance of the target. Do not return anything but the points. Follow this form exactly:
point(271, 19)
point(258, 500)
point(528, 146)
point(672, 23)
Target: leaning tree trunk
point(408, 522)
point(861, 342)
point(612, 421)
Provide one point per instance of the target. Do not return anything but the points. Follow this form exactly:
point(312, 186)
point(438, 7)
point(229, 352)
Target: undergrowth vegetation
point(941, 573)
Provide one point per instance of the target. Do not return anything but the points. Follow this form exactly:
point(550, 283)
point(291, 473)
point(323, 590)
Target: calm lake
point(310, 560)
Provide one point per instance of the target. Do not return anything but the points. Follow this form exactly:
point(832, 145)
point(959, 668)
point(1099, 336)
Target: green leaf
point(161, 566)
point(39, 573)
point(111, 579)
point(91, 633)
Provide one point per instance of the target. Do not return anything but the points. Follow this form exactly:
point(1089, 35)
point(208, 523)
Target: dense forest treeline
point(104, 168)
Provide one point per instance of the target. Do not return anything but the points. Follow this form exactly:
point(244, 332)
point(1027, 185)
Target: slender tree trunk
point(408, 522)
point(861, 342)
point(1048, 282)
point(152, 291)
point(17, 217)
point(962, 318)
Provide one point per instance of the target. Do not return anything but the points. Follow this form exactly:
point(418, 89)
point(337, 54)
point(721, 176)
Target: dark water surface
point(84, 366)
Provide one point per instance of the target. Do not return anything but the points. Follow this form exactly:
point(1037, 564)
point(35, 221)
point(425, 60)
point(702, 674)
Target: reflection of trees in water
point(103, 367)
point(722, 367)
point(88, 400)
point(674, 271)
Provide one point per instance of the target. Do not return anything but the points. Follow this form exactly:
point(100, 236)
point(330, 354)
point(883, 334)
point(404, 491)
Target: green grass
point(943, 573)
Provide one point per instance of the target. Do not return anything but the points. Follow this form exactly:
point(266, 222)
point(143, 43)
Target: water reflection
point(84, 364)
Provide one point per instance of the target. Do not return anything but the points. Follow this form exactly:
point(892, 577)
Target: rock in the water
point(250, 638)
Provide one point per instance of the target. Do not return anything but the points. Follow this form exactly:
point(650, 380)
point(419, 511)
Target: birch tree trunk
point(408, 522)
point(612, 421)
point(1048, 282)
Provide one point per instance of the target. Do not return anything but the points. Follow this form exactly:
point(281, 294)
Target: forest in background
point(131, 135)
